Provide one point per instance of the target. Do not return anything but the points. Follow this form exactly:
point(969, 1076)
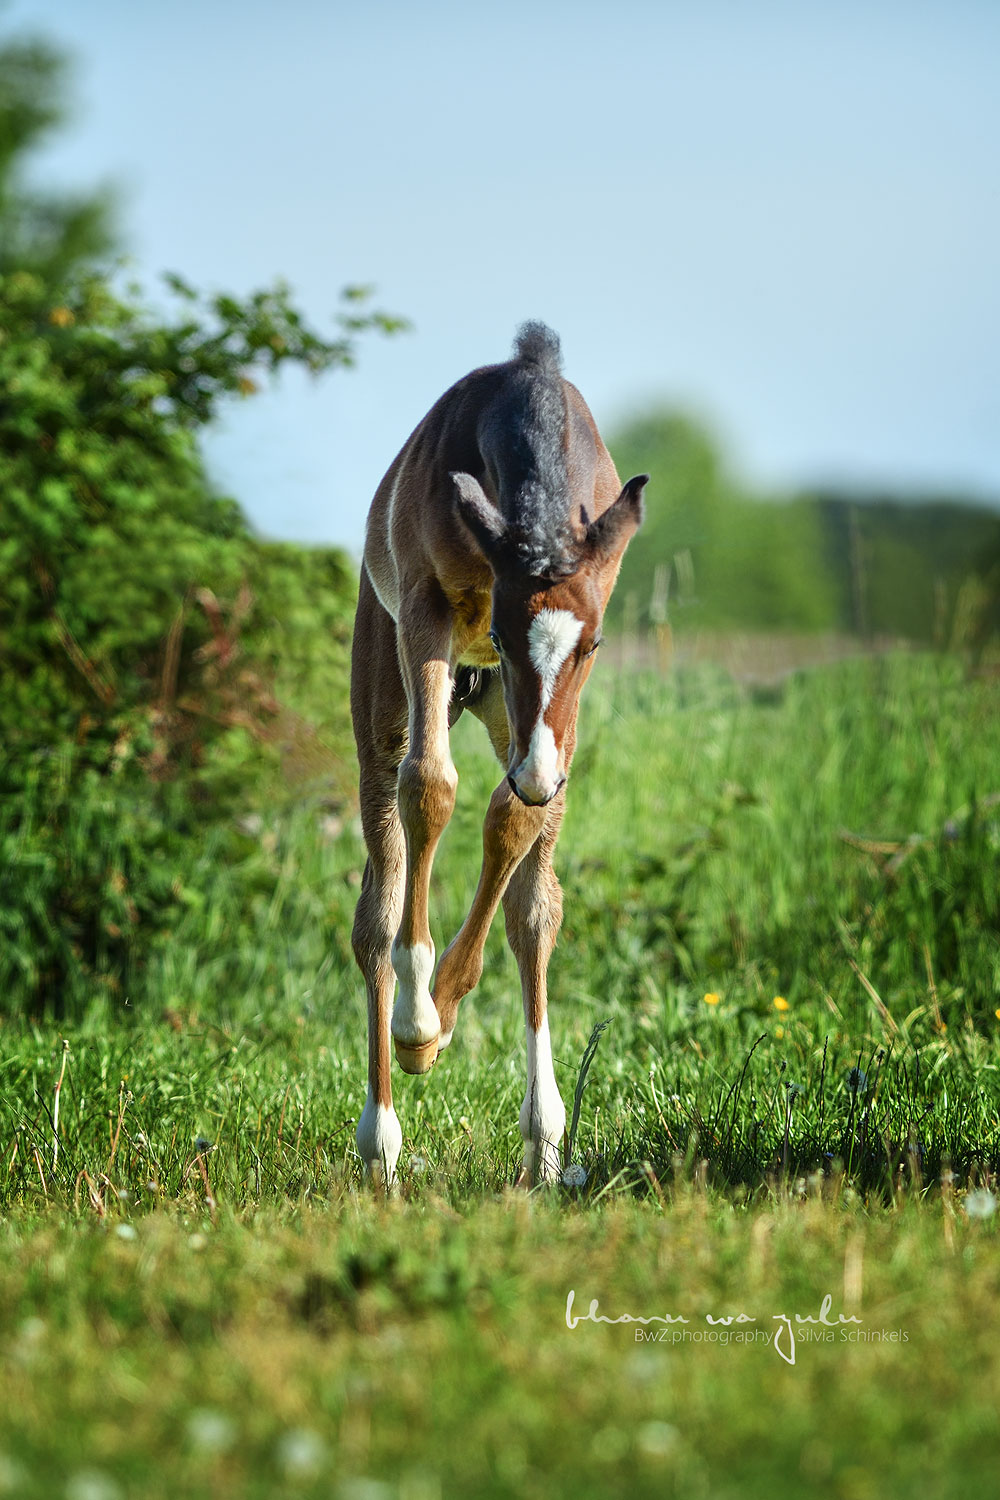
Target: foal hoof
point(416, 1057)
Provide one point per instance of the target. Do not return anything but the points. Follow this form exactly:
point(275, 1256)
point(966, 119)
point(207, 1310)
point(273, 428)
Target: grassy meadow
point(784, 900)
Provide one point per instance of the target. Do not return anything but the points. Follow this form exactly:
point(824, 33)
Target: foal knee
point(426, 794)
point(510, 827)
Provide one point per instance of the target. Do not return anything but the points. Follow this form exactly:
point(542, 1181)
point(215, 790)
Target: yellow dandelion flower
point(780, 1003)
point(712, 999)
point(997, 1012)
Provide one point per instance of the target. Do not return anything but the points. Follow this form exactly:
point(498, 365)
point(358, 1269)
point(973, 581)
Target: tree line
point(924, 569)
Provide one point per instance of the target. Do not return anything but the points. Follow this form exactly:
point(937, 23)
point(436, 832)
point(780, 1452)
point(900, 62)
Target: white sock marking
point(543, 1115)
point(380, 1140)
point(414, 1017)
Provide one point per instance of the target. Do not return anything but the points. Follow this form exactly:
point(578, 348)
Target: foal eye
point(593, 647)
point(495, 642)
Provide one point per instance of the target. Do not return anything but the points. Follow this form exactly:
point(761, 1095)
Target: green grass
point(314, 1351)
point(196, 1296)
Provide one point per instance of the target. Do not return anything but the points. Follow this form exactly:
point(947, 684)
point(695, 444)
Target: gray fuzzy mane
point(536, 344)
point(522, 437)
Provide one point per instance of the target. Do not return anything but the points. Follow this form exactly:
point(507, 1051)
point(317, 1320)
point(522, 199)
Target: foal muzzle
point(531, 798)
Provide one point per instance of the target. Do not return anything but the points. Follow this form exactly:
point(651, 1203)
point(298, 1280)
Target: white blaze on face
point(551, 637)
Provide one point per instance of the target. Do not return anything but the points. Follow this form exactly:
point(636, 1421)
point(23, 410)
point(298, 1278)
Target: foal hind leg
point(378, 708)
point(426, 798)
point(533, 912)
point(379, 1135)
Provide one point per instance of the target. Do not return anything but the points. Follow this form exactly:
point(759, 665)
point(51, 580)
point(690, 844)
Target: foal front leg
point(426, 797)
point(509, 830)
point(533, 913)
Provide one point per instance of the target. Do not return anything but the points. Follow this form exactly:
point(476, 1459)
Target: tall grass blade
point(589, 1053)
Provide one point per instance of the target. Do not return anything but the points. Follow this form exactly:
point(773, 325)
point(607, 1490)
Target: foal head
point(546, 625)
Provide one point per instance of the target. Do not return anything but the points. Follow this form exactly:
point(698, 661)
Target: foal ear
point(483, 519)
point(612, 530)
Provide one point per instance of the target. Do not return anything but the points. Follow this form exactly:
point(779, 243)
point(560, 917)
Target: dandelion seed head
point(362, 1488)
point(657, 1439)
point(12, 1477)
point(210, 1431)
point(301, 1453)
point(92, 1484)
point(645, 1367)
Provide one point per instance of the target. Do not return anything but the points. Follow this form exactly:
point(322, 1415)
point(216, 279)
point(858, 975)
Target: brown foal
point(493, 544)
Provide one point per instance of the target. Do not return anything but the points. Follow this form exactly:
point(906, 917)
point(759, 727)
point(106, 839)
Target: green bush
point(162, 669)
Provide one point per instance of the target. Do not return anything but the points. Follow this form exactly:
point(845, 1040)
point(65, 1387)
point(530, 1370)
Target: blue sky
point(782, 217)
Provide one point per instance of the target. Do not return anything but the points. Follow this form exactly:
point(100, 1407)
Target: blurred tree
point(923, 569)
point(46, 233)
point(732, 559)
point(914, 568)
point(984, 606)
